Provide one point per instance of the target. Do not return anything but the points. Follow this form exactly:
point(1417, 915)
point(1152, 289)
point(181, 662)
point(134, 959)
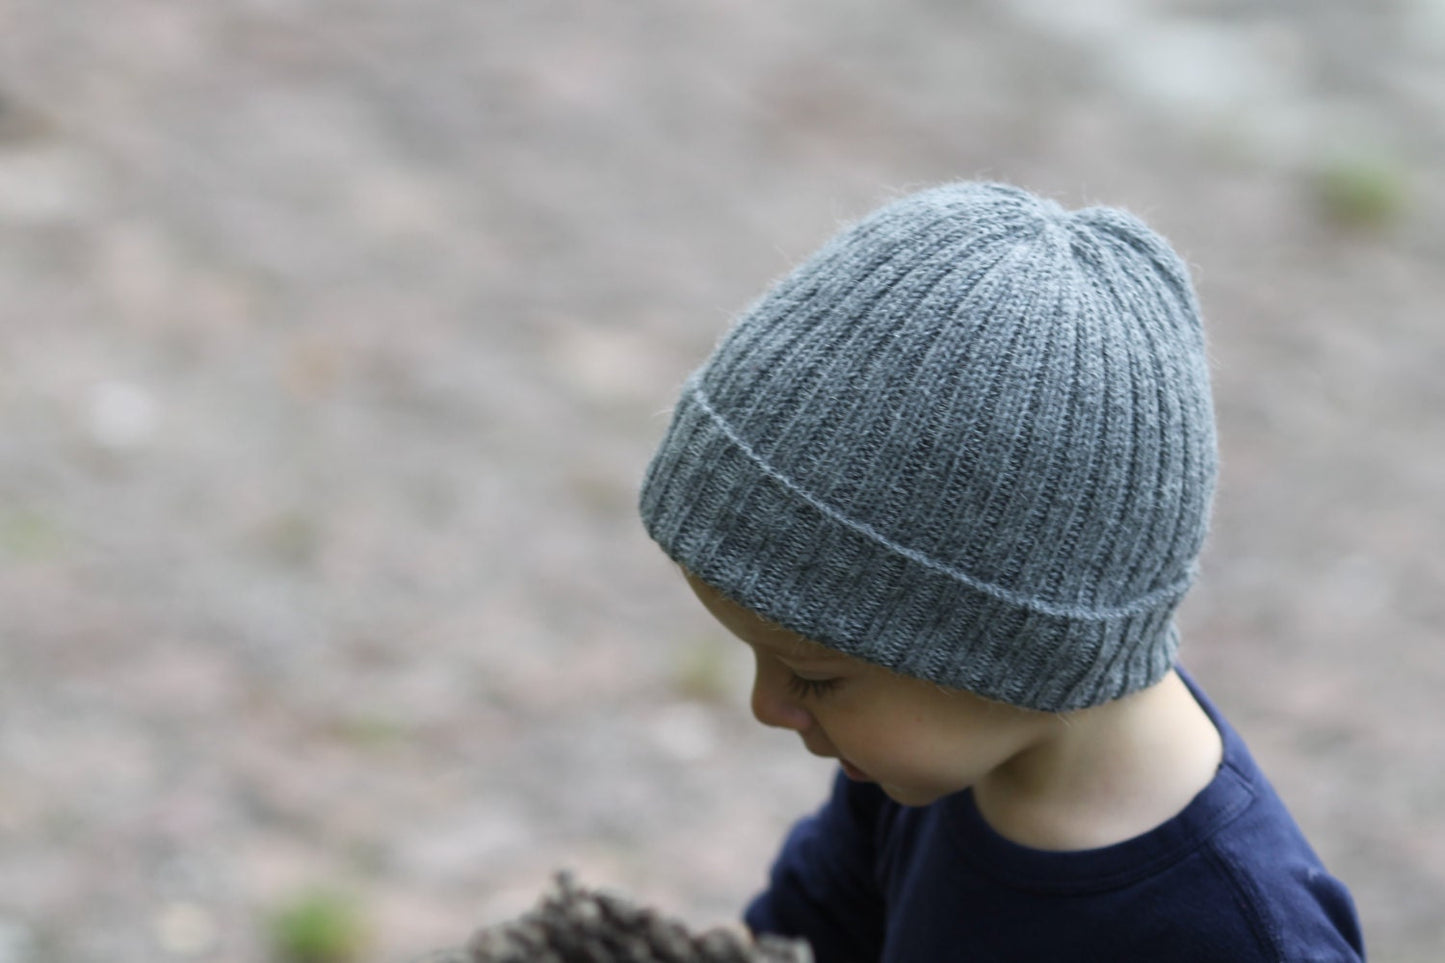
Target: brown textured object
point(575, 925)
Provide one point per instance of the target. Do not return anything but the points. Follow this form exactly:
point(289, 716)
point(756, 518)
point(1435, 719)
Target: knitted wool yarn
point(575, 925)
point(971, 440)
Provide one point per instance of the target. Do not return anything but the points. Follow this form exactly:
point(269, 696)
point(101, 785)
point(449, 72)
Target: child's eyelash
point(805, 688)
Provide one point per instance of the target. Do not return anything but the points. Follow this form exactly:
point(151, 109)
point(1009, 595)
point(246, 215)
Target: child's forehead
point(758, 630)
point(792, 646)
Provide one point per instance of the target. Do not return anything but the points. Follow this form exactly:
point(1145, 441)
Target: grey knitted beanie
point(970, 440)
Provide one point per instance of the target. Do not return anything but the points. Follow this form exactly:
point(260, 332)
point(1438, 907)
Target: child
point(948, 480)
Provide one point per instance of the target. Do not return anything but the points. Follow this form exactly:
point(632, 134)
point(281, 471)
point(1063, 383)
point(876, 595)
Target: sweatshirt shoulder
point(1298, 910)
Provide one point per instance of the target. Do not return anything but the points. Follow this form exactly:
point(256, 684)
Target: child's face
point(916, 740)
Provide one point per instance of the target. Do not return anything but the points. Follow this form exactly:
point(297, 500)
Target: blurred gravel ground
point(336, 336)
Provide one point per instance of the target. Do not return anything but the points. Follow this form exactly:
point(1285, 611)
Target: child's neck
point(1106, 774)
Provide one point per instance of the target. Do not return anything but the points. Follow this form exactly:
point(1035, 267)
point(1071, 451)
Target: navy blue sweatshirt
point(1230, 879)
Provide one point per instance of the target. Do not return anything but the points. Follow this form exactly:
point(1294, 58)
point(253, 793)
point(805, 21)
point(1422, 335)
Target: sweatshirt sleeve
point(823, 884)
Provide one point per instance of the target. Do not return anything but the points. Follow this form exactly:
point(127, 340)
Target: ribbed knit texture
point(970, 440)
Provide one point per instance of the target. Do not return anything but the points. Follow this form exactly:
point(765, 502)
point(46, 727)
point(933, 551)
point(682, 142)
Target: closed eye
point(811, 688)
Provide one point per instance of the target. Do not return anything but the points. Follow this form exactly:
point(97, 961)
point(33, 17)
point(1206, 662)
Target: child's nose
point(773, 705)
